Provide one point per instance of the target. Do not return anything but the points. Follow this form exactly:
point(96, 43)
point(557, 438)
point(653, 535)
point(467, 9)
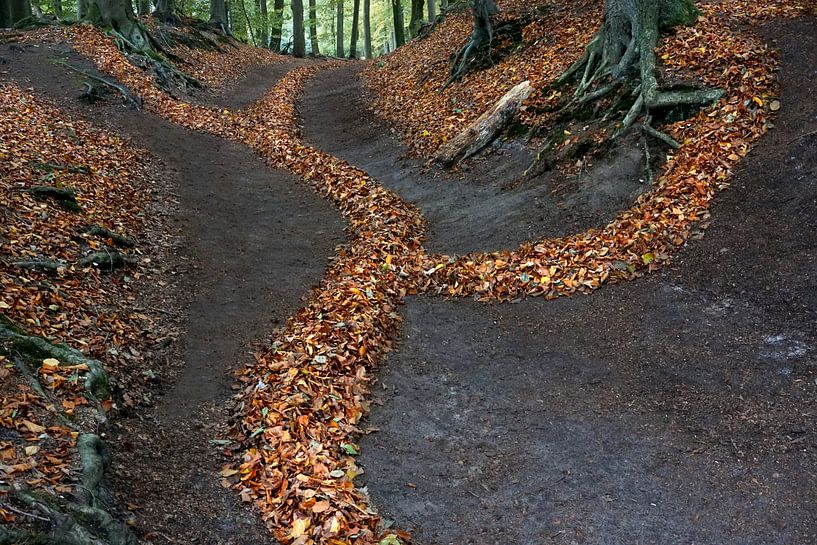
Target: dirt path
point(486, 211)
point(675, 409)
point(252, 242)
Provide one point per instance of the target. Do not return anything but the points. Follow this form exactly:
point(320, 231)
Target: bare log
point(483, 131)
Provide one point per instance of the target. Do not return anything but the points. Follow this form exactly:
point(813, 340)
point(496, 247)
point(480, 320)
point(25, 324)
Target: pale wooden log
point(482, 131)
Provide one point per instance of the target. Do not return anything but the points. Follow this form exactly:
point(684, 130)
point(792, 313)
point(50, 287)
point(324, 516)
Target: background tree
point(313, 28)
point(340, 50)
point(263, 27)
point(298, 36)
point(432, 10)
point(416, 17)
point(165, 11)
point(218, 15)
point(478, 47)
point(367, 29)
point(58, 8)
point(12, 11)
point(277, 25)
point(355, 29)
point(399, 29)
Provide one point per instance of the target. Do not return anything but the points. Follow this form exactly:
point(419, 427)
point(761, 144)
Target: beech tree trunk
point(443, 5)
point(340, 50)
point(12, 11)
point(143, 7)
point(355, 29)
point(313, 28)
point(218, 15)
point(58, 8)
point(432, 10)
point(367, 29)
point(416, 17)
point(399, 28)
point(478, 48)
point(165, 11)
point(119, 16)
point(263, 34)
point(277, 25)
point(623, 51)
point(298, 35)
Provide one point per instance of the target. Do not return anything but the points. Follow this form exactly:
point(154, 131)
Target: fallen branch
point(40, 264)
point(482, 131)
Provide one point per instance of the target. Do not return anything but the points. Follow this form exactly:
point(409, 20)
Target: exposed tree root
point(107, 234)
point(65, 196)
point(108, 260)
point(13, 339)
point(478, 49)
point(624, 50)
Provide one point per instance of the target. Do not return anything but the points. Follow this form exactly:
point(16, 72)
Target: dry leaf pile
point(80, 305)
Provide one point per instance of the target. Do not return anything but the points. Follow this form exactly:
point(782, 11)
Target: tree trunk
point(623, 51)
point(298, 35)
point(277, 25)
point(399, 28)
point(478, 48)
point(166, 11)
point(339, 45)
point(313, 28)
point(58, 9)
point(483, 131)
point(443, 5)
point(367, 29)
point(432, 10)
point(218, 15)
point(355, 29)
point(416, 17)
point(12, 11)
point(263, 20)
point(143, 7)
point(117, 15)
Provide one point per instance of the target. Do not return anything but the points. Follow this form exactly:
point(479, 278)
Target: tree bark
point(399, 28)
point(58, 8)
point(478, 47)
point(12, 11)
point(118, 15)
point(313, 28)
point(416, 17)
point(143, 7)
point(165, 11)
point(340, 50)
point(432, 10)
point(623, 51)
point(483, 131)
point(277, 25)
point(355, 29)
point(218, 15)
point(263, 31)
point(443, 5)
point(367, 29)
point(298, 35)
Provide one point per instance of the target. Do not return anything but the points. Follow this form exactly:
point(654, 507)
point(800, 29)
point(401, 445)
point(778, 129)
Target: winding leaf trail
point(302, 401)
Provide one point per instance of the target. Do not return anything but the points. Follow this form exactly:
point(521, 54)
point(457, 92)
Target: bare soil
point(249, 244)
point(677, 409)
point(478, 207)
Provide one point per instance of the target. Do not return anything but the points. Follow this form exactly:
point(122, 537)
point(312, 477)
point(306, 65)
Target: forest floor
point(674, 409)
point(677, 408)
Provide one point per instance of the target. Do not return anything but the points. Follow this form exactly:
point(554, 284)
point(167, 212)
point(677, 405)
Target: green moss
point(677, 13)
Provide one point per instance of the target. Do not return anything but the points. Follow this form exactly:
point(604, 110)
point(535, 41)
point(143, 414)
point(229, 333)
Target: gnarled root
point(478, 48)
point(624, 49)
